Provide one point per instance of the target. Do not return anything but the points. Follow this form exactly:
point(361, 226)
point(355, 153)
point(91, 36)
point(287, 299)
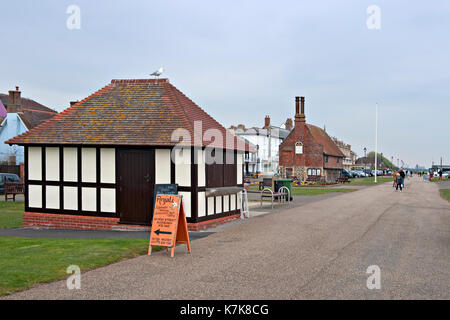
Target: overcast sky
point(242, 60)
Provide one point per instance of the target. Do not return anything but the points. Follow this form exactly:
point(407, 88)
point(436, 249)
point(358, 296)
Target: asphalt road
point(320, 250)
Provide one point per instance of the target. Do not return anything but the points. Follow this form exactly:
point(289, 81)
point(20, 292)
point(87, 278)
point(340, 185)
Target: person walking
point(395, 179)
point(399, 182)
point(440, 174)
point(403, 176)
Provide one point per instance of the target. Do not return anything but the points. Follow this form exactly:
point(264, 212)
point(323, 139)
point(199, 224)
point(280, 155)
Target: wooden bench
point(343, 180)
point(13, 188)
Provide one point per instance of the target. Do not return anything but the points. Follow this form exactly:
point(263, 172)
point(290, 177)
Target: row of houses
point(295, 149)
point(97, 164)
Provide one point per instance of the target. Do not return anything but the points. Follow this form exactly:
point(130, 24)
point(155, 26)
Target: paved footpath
point(320, 250)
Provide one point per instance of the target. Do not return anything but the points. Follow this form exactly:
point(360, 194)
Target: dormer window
point(298, 148)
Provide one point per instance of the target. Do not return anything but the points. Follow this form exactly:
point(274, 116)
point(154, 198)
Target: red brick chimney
point(15, 101)
point(288, 125)
point(266, 122)
point(299, 114)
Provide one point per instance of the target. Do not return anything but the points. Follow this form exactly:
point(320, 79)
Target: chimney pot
point(297, 105)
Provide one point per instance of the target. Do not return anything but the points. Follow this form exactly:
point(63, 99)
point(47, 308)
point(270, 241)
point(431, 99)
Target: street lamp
point(376, 141)
point(365, 149)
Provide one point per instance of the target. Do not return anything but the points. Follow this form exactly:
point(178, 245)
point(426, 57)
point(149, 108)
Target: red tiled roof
point(33, 118)
point(329, 147)
point(129, 112)
point(33, 113)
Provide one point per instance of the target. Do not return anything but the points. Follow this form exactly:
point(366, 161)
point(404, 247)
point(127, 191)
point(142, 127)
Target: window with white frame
point(298, 148)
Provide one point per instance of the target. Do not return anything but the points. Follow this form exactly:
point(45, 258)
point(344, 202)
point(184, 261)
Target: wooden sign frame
point(169, 225)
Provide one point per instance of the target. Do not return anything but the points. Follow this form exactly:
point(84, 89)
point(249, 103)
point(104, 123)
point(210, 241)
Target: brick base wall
point(212, 223)
point(64, 221)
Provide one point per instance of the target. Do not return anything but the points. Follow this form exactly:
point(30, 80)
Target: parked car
point(7, 177)
point(354, 173)
point(368, 172)
point(379, 172)
point(346, 174)
point(360, 173)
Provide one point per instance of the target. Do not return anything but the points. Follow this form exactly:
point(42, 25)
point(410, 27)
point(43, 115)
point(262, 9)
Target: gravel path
point(320, 250)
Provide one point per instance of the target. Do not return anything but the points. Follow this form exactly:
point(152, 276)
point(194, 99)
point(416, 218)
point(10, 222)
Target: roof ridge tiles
point(156, 81)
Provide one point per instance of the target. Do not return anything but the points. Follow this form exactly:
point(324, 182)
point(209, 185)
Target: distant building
point(18, 115)
point(369, 163)
point(266, 140)
point(346, 149)
point(308, 152)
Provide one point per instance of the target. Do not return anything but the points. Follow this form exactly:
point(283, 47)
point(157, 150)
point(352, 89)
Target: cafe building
point(97, 164)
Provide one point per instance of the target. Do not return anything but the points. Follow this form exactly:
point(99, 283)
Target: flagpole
point(376, 140)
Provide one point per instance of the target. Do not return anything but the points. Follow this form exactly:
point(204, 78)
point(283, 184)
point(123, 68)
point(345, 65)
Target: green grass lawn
point(25, 262)
point(369, 181)
point(445, 193)
point(11, 214)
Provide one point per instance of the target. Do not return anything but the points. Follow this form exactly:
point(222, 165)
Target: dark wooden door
point(136, 179)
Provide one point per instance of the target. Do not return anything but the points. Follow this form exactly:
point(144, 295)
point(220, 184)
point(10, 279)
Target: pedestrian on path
point(395, 179)
point(403, 176)
point(399, 182)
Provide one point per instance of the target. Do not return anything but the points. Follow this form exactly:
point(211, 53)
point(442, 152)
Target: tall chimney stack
point(299, 114)
point(15, 101)
point(266, 122)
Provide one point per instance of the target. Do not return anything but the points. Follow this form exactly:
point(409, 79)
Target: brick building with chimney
point(308, 151)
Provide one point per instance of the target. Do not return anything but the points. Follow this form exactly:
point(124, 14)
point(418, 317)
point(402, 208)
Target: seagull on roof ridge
point(158, 73)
